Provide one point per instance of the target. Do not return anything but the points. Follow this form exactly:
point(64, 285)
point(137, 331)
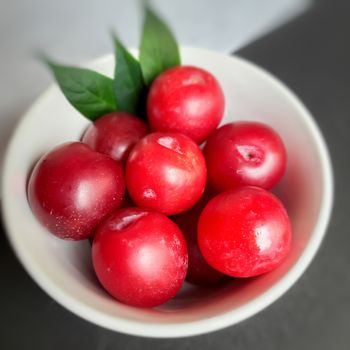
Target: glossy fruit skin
point(166, 172)
point(186, 99)
point(72, 188)
point(126, 203)
point(244, 153)
point(244, 232)
point(115, 134)
point(140, 257)
point(199, 271)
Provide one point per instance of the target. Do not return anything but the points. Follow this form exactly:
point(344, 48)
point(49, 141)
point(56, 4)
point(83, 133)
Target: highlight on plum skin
point(73, 188)
point(140, 257)
point(166, 172)
point(186, 99)
point(115, 134)
point(244, 232)
point(245, 153)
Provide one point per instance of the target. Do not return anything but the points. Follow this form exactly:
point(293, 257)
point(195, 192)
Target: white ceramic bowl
point(63, 269)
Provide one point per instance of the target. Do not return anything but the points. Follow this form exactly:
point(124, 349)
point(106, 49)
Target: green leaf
point(158, 50)
point(128, 80)
point(91, 93)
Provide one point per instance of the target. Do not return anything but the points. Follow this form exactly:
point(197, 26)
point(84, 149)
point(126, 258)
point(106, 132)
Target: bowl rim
point(190, 328)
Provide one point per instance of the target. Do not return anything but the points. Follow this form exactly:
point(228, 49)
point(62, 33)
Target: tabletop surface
point(311, 55)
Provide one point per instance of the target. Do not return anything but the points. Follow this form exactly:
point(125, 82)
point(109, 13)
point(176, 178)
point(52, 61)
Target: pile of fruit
point(162, 193)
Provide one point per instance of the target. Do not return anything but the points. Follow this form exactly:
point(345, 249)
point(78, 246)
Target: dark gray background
point(312, 56)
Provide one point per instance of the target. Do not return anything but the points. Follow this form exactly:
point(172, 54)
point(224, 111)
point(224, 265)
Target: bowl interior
point(64, 269)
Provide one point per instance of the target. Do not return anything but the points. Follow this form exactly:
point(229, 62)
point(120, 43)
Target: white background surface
point(77, 31)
